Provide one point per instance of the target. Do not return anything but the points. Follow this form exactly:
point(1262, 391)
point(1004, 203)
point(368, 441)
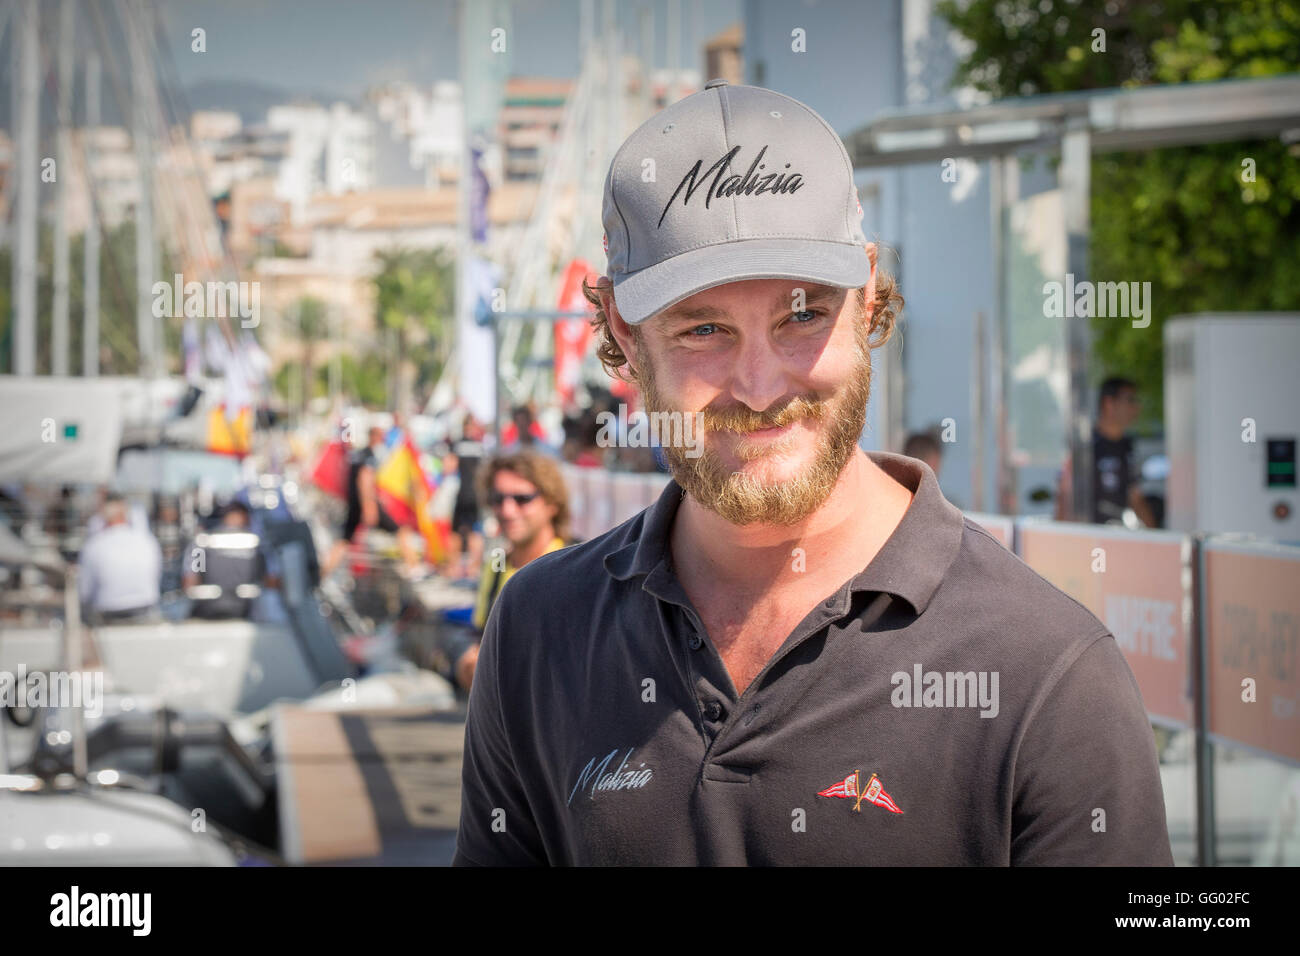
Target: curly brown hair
point(884, 317)
point(544, 474)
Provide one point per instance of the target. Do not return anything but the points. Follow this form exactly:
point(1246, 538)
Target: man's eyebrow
point(682, 313)
point(816, 293)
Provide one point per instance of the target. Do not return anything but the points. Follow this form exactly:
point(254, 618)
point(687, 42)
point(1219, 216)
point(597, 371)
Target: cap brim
point(642, 294)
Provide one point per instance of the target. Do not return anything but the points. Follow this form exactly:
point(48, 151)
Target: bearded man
point(802, 653)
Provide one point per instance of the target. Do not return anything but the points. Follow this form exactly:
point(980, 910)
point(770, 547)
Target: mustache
point(741, 418)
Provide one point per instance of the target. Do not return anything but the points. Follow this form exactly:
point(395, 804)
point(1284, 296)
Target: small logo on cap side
point(751, 184)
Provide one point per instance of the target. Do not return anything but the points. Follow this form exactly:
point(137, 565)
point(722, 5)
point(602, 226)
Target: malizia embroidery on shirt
point(750, 184)
point(596, 774)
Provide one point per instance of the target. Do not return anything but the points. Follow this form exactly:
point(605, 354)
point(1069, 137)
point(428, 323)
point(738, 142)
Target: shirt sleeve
point(497, 827)
point(1087, 788)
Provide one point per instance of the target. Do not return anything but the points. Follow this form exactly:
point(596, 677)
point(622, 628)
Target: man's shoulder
point(1015, 597)
point(575, 574)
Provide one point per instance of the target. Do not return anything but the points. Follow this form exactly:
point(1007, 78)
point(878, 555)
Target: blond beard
point(743, 499)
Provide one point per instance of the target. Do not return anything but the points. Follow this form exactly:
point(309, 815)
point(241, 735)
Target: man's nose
point(758, 377)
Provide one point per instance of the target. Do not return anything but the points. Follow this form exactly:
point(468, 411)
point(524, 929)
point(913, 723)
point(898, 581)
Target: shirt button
point(713, 710)
point(695, 642)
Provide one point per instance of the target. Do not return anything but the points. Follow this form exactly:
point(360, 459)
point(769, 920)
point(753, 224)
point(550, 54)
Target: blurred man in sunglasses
point(528, 497)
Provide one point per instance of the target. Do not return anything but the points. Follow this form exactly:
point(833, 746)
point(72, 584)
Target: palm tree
point(313, 327)
point(414, 291)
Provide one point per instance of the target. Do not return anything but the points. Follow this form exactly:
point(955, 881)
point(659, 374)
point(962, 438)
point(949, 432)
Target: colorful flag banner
point(330, 474)
point(230, 436)
point(572, 336)
point(404, 492)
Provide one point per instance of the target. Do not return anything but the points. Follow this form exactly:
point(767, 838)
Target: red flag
point(848, 787)
point(331, 472)
point(572, 336)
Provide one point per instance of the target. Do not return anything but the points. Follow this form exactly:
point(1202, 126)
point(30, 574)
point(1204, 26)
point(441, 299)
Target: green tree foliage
point(1187, 219)
point(364, 378)
point(414, 296)
point(309, 319)
point(119, 352)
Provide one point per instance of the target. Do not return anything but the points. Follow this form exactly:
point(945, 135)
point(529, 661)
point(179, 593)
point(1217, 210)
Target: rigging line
point(5, 16)
point(107, 249)
point(161, 55)
point(159, 135)
point(116, 81)
point(172, 87)
point(190, 236)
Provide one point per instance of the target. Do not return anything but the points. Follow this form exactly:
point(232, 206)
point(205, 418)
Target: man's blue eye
point(811, 315)
point(696, 331)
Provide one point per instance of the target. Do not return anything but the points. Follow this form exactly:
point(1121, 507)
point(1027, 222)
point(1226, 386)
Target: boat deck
point(368, 788)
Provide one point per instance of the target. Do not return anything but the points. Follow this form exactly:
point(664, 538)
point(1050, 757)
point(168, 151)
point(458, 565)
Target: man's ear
point(621, 331)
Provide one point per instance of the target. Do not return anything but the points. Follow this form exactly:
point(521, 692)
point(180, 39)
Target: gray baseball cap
point(731, 183)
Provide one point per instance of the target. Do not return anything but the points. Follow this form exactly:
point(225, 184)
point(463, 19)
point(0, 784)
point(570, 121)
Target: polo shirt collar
point(912, 564)
point(645, 550)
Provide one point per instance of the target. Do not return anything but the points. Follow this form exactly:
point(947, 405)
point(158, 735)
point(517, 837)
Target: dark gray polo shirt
point(945, 706)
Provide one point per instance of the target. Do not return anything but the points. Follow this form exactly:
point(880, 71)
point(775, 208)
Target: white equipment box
point(1232, 417)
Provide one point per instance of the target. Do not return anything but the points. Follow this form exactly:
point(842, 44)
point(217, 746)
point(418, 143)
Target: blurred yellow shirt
point(491, 582)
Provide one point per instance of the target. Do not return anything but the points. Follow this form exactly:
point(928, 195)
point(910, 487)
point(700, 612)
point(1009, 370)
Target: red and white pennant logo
point(850, 789)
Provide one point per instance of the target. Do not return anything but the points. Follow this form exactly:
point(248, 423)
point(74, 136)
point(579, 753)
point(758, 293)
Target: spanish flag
point(404, 492)
point(230, 435)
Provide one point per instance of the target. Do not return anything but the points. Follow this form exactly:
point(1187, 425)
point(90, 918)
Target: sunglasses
point(497, 499)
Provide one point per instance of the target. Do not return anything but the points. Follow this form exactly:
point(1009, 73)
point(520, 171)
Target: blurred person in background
point(466, 521)
point(61, 517)
point(1116, 481)
point(364, 509)
point(924, 446)
point(530, 501)
point(581, 445)
point(525, 433)
point(228, 568)
point(120, 568)
point(136, 516)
